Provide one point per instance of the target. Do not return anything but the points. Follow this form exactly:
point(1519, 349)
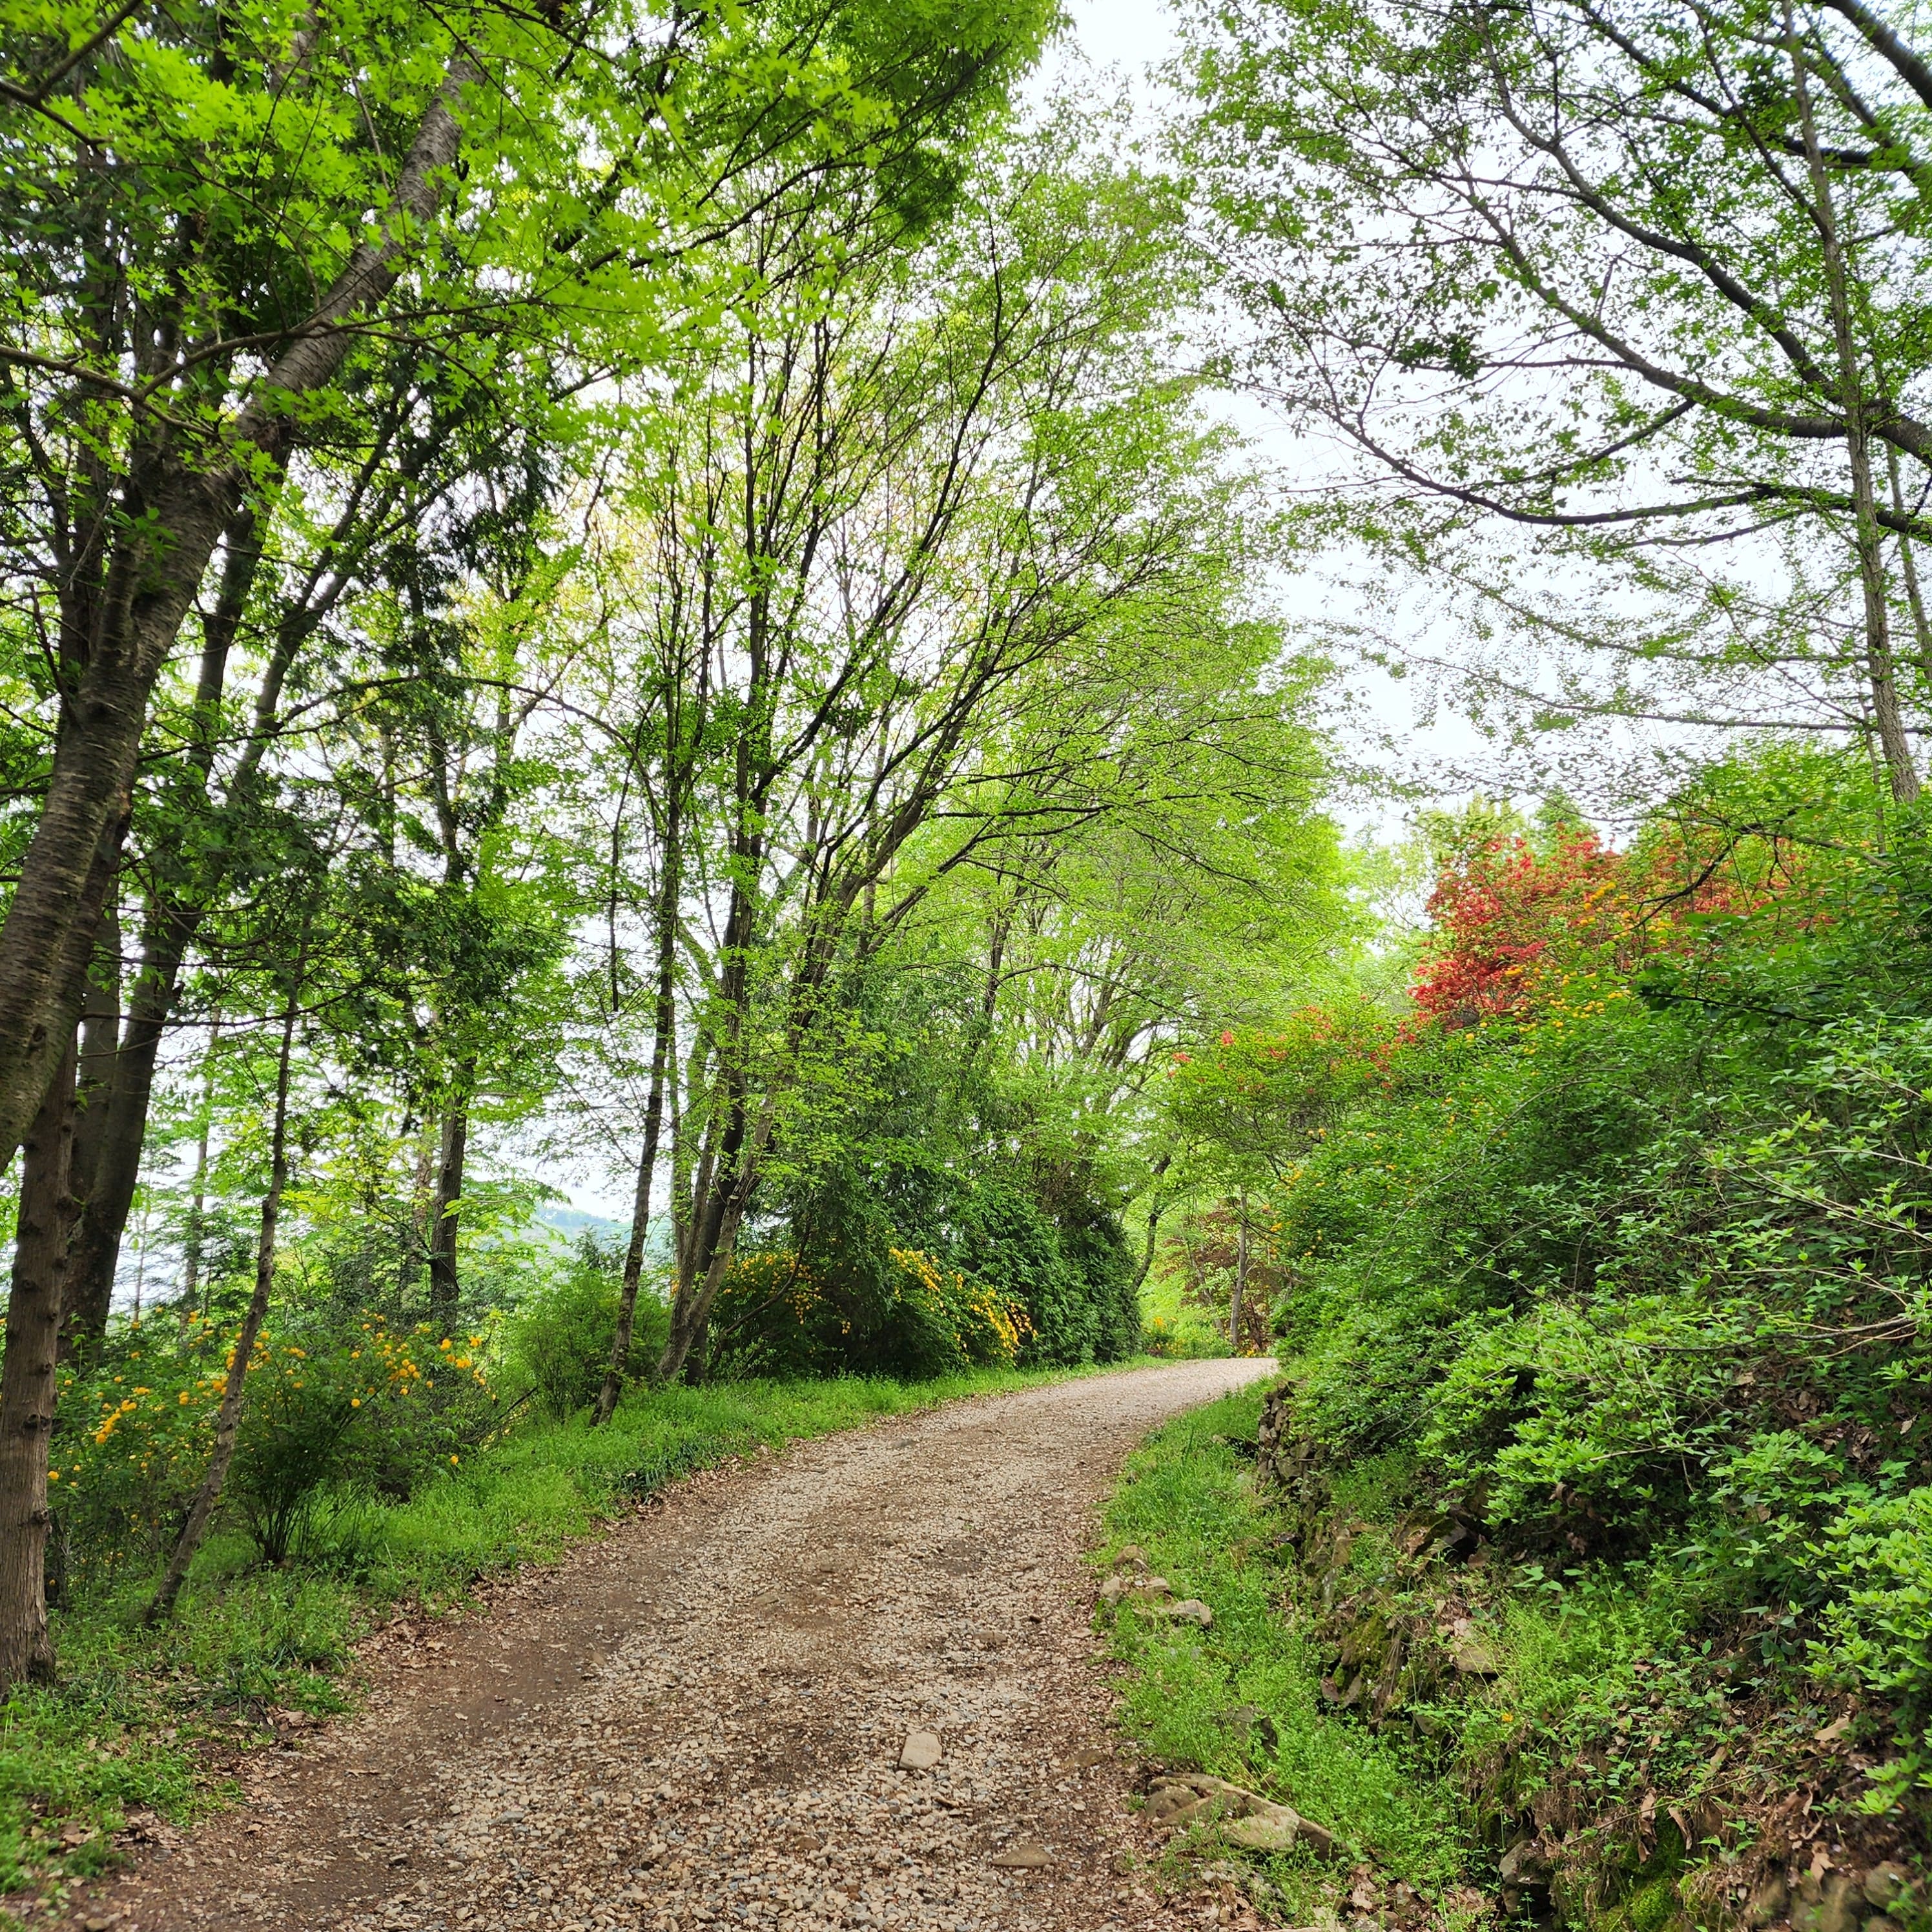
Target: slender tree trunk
point(1867, 538)
point(197, 1216)
point(100, 1042)
point(415, 1233)
point(27, 1384)
point(444, 1210)
point(662, 1024)
point(100, 1037)
point(1240, 1294)
point(107, 1162)
point(1914, 597)
point(228, 1418)
point(116, 1172)
point(692, 1314)
point(1154, 1210)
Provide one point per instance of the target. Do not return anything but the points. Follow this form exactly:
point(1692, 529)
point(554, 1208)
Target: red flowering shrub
point(1507, 914)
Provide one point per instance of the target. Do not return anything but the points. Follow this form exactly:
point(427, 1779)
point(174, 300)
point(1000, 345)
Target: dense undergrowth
point(1487, 1744)
point(154, 1719)
point(1600, 1269)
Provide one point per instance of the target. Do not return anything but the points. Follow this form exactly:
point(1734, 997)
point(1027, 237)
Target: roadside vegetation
point(1579, 1565)
point(147, 1722)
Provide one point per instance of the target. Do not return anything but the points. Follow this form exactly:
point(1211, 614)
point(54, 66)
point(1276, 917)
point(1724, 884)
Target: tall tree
point(1635, 278)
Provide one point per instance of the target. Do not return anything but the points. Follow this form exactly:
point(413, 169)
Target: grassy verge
point(154, 1720)
point(1185, 1500)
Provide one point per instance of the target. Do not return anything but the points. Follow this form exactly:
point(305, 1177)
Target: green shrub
point(557, 1344)
point(906, 1316)
point(326, 1403)
point(1878, 1633)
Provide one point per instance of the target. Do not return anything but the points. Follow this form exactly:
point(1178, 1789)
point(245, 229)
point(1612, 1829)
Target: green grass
point(1185, 1499)
point(144, 1718)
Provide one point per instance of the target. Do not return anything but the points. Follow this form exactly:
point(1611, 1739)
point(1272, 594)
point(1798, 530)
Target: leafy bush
point(557, 1344)
point(1617, 1240)
point(326, 1403)
point(1878, 1633)
point(911, 1316)
point(1074, 1278)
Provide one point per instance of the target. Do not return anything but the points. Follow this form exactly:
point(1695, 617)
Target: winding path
point(697, 1723)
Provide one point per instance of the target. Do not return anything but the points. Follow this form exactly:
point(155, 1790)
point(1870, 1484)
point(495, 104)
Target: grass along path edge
point(1184, 1498)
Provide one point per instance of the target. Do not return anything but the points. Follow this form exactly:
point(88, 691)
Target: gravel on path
point(699, 1722)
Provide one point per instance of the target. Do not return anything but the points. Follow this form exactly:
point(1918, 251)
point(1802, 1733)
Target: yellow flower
point(355, 1402)
point(454, 1459)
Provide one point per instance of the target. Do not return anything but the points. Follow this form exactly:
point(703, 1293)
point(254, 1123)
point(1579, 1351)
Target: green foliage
point(557, 1344)
point(1616, 1249)
point(1183, 1499)
point(906, 1316)
point(328, 1401)
point(1877, 1563)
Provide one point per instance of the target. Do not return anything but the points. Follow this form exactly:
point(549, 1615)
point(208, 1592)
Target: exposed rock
point(1770, 1899)
point(1472, 1653)
point(1023, 1858)
point(921, 1751)
point(1882, 1924)
point(1130, 1555)
point(1885, 1884)
point(1525, 1863)
point(1117, 1589)
point(1829, 1902)
point(1189, 1610)
point(1277, 1830)
point(1166, 1801)
point(1247, 1819)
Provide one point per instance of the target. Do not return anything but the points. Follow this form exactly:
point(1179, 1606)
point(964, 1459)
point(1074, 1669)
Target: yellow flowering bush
point(326, 1403)
point(912, 1316)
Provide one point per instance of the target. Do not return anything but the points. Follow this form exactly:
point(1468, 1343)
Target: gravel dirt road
point(699, 1721)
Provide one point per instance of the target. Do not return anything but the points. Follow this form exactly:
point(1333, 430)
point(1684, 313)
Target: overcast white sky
point(1133, 37)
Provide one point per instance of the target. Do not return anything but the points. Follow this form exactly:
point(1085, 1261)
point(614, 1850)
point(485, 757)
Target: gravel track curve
point(697, 1722)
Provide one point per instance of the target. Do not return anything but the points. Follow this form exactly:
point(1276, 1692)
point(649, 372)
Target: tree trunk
point(1914, 596)
point(107, 1161)
point(443, 1289)
point(175, 517)
point(415, 1228)
point(123, 1135)
point(1154, 1210)
point(1867, 536)
point(100, 1042)
point(99, 1039)
point(663, 1025)
point(228, 1418)
point(691, 1315)
point(1240, 1294)
point(27, 1384)
point(196, 1237)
